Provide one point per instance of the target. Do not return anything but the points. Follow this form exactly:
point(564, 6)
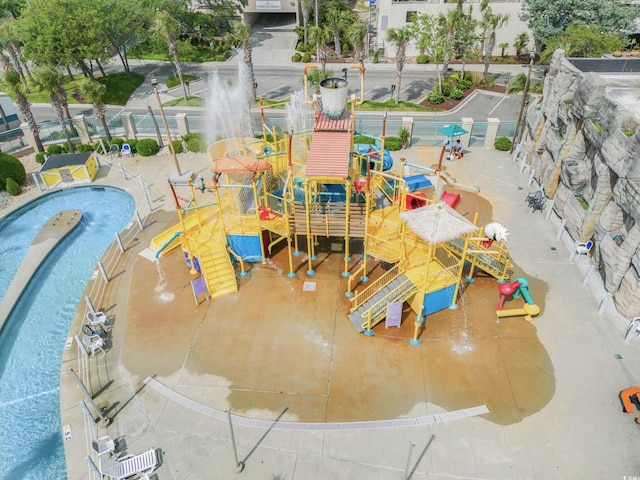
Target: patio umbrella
point(437, 223)
point(452, 130)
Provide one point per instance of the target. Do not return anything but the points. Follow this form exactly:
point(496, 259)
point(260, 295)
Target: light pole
point(154, 82)
point(516, 133)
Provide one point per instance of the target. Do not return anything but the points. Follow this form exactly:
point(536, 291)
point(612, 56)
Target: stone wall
point(582, 144)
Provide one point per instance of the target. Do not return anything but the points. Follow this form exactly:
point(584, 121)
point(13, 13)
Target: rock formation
point(582, 144)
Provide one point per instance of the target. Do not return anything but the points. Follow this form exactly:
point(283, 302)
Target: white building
point(398, 13)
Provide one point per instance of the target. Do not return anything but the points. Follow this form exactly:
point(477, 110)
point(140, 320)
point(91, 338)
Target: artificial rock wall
point(582, 144)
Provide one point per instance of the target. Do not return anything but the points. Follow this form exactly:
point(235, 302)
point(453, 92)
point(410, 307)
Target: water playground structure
point(518, 288)
point(292, 188)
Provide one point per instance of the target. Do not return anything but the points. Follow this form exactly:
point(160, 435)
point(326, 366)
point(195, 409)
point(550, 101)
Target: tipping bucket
point(334, 96)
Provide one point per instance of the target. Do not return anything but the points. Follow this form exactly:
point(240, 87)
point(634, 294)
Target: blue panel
point(416, 182)
point(247, 246)
point(439, 300)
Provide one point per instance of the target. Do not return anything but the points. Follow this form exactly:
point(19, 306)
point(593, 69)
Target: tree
point(51, 80)
point(64, 32)
point(338, 20)
point(582, 41)
point(432, 39)
point(320, 36)
point(490, 23)
point(465, 36)
point(400, 39)
point(241, 33)
point(356, 35)
point(503, 47)
point(305, 7)
point(520, 43)
point(93, 92)
point(124, 22)
point(546, 19)
point(12, 46)
point(170, 29)
point(11, 81)
point(448, 22)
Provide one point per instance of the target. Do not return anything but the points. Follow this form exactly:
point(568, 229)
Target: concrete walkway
point(276, 353)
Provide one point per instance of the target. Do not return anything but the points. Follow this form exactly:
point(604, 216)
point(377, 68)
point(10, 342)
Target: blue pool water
point(32, 341)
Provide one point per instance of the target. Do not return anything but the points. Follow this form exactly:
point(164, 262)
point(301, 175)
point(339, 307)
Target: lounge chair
point(97, 319)
point(92, 343)
point(129, 465)
point(103, 445)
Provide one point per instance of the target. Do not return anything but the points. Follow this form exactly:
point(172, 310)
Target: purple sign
point(394, 314)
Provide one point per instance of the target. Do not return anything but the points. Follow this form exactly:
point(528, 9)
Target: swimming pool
point(32, 341)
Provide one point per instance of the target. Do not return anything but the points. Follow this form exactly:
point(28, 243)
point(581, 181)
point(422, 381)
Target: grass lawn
point(191, 102)
point(119, 89)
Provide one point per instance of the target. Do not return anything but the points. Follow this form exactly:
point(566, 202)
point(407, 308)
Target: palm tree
point(241, 33)
point(320, 36)
point(356, 35)
point(305, 6)
point(490, 22)
point(449, 22)
point(503, 46)
point(170, 29)
point(400, 38)
point(8, 35)
point(11, 80)
point(520, 42)
point(93, 92)
point(337, 20)
point(51, 80)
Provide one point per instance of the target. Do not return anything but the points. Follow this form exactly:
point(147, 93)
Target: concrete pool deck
point(478, 398)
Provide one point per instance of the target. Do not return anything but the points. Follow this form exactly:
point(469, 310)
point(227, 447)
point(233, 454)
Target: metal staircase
point(216, 266)
point(373, 309)
point(495, 262)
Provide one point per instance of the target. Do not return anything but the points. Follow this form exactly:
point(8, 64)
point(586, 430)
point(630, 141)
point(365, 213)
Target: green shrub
point(393, 143)
point(423, 58)
point(11, 167)
point(220, 58)
point(464, 84)
point(147, 147)
point(489, 81)
point(40, 157)
point(456, 93)
point(435, 97)
point(54, 150)
point(84, 148)
point(503, 144)
point(296, 57)
point(177, 146)
point(117, 141)
point(196, 145)
point(13, 188)
point(306, 58)
point(446, 89)
point(302, 47)
point(517, 84)
point(536, 88)
point(363, 139)
point(189, 136)
point(133, 143)
point(405, 136)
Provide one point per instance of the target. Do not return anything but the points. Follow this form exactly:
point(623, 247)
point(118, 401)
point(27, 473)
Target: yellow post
point(347, 191)
point(461, 265)
point(307, 200)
